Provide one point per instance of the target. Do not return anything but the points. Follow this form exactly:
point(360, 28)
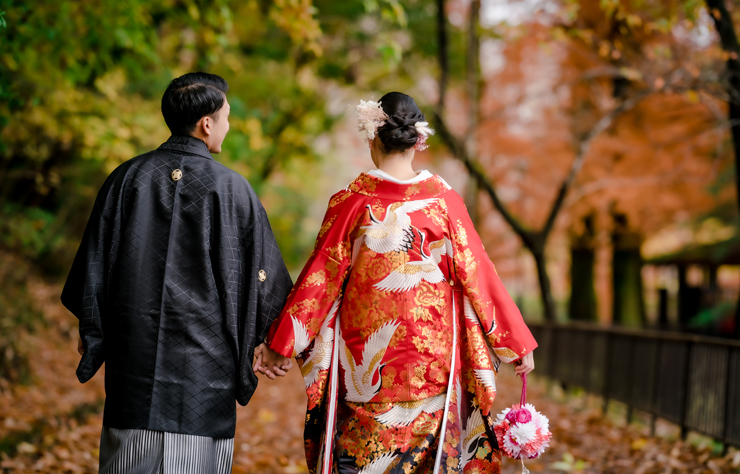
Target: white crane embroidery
point(394, 232)
point(473, 431)
point(358, 379)
point(379, 465)
point(472, 315)
point(487, 377)
point(404, 413)
point(410, 274)
point(300, 336)
point(319, 357)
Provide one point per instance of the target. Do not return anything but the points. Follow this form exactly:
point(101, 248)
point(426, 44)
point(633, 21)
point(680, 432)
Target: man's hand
point(525, 365)
point(270, 363)
point(80, 347)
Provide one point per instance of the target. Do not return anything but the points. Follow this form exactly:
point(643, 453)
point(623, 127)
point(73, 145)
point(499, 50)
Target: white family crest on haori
point(394, 232)
point(410, 274)
point(404, 413)
point(379, 465)
point(358, 379)
point(472, 432)
point(319, 357)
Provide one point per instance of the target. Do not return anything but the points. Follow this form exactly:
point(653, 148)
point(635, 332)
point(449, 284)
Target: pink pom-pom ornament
point(522, 431)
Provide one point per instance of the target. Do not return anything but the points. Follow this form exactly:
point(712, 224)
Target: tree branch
point(583, 148)
point(476, 171)
point(442, 54)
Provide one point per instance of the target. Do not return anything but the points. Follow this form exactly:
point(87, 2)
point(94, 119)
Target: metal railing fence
point(692, 381)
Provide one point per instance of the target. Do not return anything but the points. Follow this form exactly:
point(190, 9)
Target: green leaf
point(391, 53)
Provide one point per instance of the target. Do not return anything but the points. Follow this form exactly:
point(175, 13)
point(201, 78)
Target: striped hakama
point(129, 451)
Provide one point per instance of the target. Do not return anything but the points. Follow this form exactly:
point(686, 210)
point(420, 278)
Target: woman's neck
point(398, 166)
point(401, 173)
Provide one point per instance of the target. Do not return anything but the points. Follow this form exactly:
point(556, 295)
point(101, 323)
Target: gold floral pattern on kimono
point(397, 266)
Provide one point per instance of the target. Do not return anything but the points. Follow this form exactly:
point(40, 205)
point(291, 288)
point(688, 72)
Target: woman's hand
point(80, 347)
point(525, 365)
point(270, 363)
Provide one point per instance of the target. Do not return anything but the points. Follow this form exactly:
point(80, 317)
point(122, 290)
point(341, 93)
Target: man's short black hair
point(191, 97)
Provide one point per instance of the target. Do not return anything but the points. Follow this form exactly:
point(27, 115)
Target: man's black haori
point(177, 280)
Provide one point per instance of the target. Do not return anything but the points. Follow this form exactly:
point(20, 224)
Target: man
point(177, 280)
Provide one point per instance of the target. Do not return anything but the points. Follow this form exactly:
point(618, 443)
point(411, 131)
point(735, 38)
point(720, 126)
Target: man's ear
point(207, 125)
point(204, 126)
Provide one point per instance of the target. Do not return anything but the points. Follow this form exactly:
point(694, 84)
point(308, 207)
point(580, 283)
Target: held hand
point(257, 352)
point(80, 347)
point(271, 363)
point(525, 365)
point(257, 362)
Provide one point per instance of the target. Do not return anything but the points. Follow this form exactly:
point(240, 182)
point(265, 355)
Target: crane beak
point(372, 216)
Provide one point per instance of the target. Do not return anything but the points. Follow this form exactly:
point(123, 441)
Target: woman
point(399, 321)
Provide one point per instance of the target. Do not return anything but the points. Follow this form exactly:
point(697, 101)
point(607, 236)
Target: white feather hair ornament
point(370, 116)
point(424, 132)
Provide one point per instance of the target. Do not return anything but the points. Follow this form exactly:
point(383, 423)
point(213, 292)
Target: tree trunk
point(627, 281)
point(472, 86)
point(471, 201)
point(689, 299)
point(442, 54)
point(582, 305)
point(663, 308)
point(548, 305)
point(728, 38)
point(629, 303)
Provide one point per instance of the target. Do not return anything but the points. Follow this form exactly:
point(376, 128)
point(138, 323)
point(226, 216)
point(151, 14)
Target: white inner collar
point(420, 176)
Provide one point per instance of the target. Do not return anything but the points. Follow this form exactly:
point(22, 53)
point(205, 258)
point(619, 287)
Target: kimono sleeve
point(85, 290)
point(502, 322)
point(252, 278)
point(318, 289)
point(274, 282)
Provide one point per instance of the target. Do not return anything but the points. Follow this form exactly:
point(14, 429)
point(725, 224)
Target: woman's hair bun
point(399, 132)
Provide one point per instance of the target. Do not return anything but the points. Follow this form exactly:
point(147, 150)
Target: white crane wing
point(486, 377)
point(409, 275)
point(401, 280)
point(320, 356)
point(300, 334)
point(377, 343)
point(379, 465)
point(404, 413)
point(351, 382)
point(469, 311)
point(435, 403)
point(472, 432)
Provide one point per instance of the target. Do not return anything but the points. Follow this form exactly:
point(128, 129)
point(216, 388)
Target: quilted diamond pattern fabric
point(166, 285)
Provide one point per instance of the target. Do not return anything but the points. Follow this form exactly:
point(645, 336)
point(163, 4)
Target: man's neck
point(199, 137)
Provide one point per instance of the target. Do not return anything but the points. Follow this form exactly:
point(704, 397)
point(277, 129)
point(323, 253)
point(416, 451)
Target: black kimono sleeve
point(261, 289)
point(85, 291)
